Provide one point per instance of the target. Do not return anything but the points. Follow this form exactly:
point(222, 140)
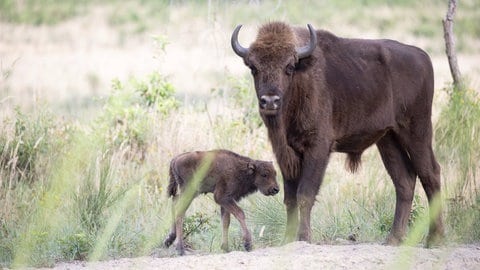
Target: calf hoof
point(169, 241)
point(247, 246)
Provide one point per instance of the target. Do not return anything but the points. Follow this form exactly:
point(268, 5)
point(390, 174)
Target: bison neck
point(296, 128)
point(288, 158)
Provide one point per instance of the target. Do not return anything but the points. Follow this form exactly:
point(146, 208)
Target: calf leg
point(400, 169)
point(225, 224)
point(230, 206)
point(181, 207)
point(173, 232)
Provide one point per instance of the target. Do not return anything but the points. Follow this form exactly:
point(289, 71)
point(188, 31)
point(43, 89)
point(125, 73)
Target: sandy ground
point(300, 255)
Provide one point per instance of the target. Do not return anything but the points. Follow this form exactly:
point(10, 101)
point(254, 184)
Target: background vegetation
point(89, 183)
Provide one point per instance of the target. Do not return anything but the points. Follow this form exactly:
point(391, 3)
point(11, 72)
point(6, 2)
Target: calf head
point(265, 177)
point(273, 59)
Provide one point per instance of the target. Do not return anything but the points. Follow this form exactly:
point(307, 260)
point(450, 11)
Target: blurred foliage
point(26, 151)
point(38, 12)
point(131, 108)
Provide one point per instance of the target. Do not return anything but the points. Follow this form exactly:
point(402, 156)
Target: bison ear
point(304, 64)
point(251, 168)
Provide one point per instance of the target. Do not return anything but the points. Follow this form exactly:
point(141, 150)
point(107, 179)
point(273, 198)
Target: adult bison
point(319, 93)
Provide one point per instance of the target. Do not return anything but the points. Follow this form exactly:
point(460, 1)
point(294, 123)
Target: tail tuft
point(172, 188)
point(354, 161)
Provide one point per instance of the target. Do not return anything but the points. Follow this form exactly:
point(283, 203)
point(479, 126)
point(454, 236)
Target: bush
point(457, 144)
point(132, 107)
point(25, 153)
point(458, 150)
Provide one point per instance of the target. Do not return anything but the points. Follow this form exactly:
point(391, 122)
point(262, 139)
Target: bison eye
point(253, 69)
point(290, 69)
point(264, 175)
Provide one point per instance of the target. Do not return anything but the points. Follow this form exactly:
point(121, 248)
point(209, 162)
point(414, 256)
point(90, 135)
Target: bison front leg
point(290, 200)
point(313, 169)
point(225, 224)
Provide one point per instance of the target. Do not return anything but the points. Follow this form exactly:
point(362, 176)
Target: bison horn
point(237, 48)
point(307, 50)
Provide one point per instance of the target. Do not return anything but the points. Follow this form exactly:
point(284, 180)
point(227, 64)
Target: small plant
point(75, 246)
point(95, 196)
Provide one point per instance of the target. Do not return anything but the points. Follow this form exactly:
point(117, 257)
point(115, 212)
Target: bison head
point(265, 177)
point(273, 59)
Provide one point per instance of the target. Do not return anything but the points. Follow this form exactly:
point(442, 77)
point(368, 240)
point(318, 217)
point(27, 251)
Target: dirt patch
point(300, 255)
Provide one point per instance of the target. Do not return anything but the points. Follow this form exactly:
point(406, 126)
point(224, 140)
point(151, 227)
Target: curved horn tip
point(237, 48)
point(308, 49)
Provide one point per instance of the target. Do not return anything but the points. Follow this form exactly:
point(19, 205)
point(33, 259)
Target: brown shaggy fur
point(229, 177)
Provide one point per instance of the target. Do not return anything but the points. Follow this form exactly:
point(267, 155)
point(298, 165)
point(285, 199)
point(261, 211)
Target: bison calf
point(228, 176)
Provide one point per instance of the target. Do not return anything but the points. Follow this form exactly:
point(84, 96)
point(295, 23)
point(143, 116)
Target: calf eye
point(264, 175)
point(290, 69)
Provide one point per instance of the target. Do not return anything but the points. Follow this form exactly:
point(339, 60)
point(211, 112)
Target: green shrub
point(458, 150)
point(132, 107)
point(457, 143)
point(26, 152)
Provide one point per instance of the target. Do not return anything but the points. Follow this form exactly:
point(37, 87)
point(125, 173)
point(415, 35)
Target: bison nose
point(269, 102)
point(274, 191)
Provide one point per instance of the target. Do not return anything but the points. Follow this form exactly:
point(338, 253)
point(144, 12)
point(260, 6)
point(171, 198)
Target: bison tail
point(354, 161)
point(172, 185)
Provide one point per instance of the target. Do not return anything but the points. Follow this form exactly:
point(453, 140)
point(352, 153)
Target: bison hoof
point(248, 246)
point(392, 240)
point(180, 251)
point(304, 237)
point(169, 241)
point(434, 240)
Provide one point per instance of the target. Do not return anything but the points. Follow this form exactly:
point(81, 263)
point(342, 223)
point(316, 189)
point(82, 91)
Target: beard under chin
point(271, 120)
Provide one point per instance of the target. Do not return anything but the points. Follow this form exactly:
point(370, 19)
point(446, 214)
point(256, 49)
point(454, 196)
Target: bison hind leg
point(353, 161)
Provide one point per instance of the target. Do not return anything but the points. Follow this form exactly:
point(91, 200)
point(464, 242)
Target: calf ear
point(251, 168)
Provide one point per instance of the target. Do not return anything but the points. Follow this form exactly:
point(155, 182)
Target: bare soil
point(301, 255)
